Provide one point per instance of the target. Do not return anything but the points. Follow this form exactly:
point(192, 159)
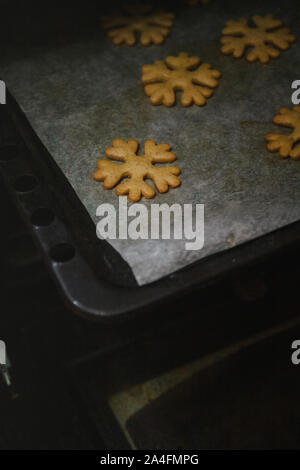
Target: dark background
point(243, 394)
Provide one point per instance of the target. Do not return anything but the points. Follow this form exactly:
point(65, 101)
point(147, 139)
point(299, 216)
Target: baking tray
point(94, 278)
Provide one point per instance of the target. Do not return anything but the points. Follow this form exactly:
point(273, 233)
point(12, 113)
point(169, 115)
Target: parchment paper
point(80, 96)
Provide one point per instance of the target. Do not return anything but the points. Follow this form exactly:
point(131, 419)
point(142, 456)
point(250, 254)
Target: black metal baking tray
point(93, 278)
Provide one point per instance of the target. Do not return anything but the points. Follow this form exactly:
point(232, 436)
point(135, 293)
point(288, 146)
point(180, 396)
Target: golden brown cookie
point(139, 20)
point(238, 36)
point(286, 144)
point(161, 80)
point(137, 168)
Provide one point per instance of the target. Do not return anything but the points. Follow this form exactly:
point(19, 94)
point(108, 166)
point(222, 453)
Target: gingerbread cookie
point(137, 168)
point(266, 34)
point(286, 144)
point(161, 80)
point(151, 26)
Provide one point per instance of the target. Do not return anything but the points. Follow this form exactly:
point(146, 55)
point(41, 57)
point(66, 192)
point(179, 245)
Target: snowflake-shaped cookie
point(151, 26)
point(161, 80)
point(286, 144)
point(137, 168)
point(238, 36)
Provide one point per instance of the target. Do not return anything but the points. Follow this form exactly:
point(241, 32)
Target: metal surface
point(95, 281)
